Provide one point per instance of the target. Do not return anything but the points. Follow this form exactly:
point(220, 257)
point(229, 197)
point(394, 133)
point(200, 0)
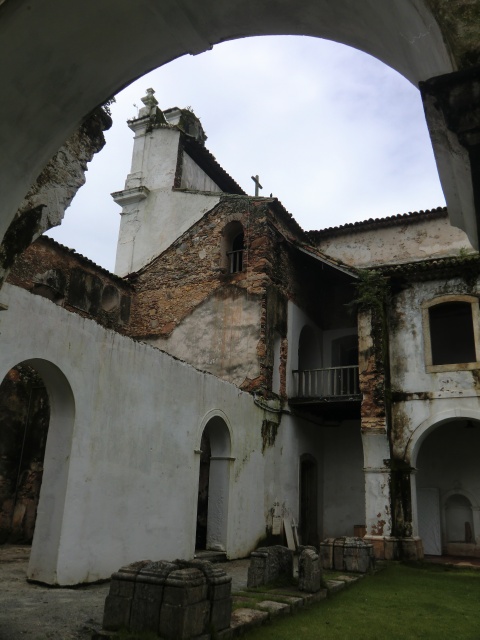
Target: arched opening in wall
point(308, 516)
point(233, 247)
point(213, 487)
point(204, 82)
point(37, 410)
point(459, 519)
point(24, 420)
point(448, 494)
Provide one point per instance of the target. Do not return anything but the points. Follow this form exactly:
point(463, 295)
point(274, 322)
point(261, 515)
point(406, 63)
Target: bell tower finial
point(149, 100)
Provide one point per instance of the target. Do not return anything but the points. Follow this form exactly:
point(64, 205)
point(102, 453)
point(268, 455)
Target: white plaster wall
point(430, 397)
point(344, 481)
point(195, 178)
point(400, 243)
point(282, 479)
point(148, 226)
point(133, 474)
point(341, 483)
point(220, 336)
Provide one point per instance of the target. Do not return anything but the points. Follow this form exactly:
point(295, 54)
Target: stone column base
point(390, 548)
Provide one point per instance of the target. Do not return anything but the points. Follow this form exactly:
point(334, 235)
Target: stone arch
point(216, 430)
point(430, 424)
point(444, 485)
point(46, 539)
point(49, 42)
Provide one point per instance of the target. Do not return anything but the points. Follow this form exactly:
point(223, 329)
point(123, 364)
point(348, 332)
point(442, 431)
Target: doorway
point(213, 487)
point(24, 421)
point(308, 525)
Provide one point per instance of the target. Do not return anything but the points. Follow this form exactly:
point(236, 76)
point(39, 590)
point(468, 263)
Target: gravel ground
point(35, 612)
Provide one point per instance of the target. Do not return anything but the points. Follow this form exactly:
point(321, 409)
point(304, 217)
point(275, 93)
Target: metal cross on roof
point(258, 186)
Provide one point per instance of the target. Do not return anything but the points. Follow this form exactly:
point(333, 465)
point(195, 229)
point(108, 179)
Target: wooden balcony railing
point(333, 382)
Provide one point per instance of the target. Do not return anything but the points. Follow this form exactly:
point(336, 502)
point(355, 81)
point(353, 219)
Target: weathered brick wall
point(188, 285)
point(48, 269)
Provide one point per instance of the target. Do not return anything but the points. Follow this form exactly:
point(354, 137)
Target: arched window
point(450, 328)
point(233, 247)
point(236, 254)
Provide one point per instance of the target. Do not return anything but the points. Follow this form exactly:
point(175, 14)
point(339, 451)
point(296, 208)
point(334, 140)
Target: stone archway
point(49, 517)
point(214, 486)
point(446, 487)
point(24, 420)
point(64, 63)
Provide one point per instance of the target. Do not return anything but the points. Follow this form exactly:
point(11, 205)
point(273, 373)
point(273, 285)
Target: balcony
point(331, 392)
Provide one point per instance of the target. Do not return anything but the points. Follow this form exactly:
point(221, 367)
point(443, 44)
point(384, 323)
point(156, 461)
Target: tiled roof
point(378, 223)
point(432, 269)
point(57, 245)
point(209, 164)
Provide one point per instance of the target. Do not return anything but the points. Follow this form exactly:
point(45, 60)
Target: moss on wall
point(459, 21)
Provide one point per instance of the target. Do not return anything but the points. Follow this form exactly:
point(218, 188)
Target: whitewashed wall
point(121, 472)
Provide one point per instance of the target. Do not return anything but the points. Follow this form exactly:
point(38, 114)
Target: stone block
point(220, 613)
point(116, 614)
point(174, 600)
point(118, 603)
point(181, 622)
point(326, 554)
point(338, 553)
point(147, 599)
point(184, 587)
point(145, 612)
point(309, 571)
point(347, 554)
point(268, 564)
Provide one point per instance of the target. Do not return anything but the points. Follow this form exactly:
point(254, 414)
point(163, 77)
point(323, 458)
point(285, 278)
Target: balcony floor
point(334, 408)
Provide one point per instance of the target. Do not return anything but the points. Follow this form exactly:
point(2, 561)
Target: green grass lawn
point(403, 601)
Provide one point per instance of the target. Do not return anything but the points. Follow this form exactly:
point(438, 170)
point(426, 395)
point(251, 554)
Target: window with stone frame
point(451, 333)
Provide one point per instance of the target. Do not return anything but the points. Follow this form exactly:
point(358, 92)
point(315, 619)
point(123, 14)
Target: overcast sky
point(334, 134)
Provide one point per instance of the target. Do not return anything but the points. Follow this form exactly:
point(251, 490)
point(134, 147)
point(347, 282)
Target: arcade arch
point(214, 485)
point(448, 488)
point(51, 499)
point(49, 42)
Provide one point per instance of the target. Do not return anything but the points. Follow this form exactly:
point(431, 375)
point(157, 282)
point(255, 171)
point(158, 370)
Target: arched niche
point(445, 490)
point(63, 63)
point(214, 484)
point(459, 519)
point(43, 564)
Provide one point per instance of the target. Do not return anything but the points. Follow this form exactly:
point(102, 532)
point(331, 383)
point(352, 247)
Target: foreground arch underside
point(61, 64)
